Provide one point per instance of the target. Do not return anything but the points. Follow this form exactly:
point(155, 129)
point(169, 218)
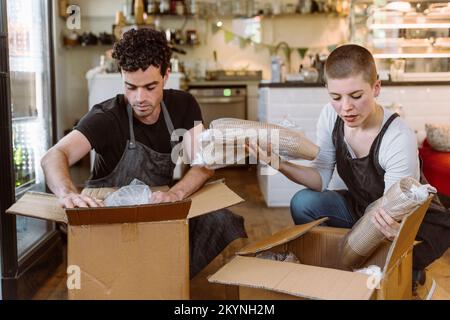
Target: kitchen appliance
point(276, 67)
point(234, 75)
point(221, 102)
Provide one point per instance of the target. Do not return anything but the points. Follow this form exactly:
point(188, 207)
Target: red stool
point(436, 167)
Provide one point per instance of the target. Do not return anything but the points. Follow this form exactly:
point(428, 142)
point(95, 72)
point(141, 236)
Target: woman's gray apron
point(208, 234)
point(364, 178)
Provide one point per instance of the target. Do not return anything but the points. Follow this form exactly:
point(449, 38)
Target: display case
point(410, 40)
point(31, 248)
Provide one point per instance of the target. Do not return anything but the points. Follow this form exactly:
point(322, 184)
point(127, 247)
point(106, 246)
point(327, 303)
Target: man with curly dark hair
point(132, 135)
point(143, 48)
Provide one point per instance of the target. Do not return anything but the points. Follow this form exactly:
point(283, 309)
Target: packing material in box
point(133, 252)
point(320, 274)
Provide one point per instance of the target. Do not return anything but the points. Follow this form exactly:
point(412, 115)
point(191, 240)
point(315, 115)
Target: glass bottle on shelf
point(139, 11)
point(18, 166)
point(164, 6)
point(128, 10)
point(193, 8)
point(152, 7)
point(17, 156)
point(179, 8)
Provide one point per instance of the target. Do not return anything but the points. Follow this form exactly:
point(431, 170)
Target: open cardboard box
point(320, 275)
point(135, 252)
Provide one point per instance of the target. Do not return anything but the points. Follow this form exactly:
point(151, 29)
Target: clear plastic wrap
point(401, 199)
point(223, 143)
point(280, 256)
point(135, 193)
point(375, 274)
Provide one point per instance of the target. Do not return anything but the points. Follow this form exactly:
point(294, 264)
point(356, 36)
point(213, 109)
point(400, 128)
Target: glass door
point(30, 83)
point(31, 248)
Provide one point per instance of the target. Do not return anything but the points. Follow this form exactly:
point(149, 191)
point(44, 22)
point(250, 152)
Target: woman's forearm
point(307, 176)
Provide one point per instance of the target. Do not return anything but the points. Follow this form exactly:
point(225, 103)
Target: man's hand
point(169, 196)
point(73, 200)
point(385, 223)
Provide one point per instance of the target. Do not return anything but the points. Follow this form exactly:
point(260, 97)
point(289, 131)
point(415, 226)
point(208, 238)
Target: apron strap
point(169, 123)
point(375, 149)
point(132, 143)
point(167, 120)
point(388, 122)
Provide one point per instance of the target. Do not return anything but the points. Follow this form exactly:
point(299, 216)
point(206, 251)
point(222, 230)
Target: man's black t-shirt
point(107, 129)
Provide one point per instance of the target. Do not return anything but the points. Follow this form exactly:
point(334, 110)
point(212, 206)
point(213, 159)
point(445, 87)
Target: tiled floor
point(260, 221)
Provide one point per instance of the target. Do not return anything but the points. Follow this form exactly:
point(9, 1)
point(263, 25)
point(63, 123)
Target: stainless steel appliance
point(221, 102)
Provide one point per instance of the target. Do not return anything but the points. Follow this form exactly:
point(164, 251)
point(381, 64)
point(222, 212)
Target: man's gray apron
point(208, 234)
point(364, 178)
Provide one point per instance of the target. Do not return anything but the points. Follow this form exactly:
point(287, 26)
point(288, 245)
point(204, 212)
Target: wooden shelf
point(411, 55)
point(427, 25)
point(93, 46)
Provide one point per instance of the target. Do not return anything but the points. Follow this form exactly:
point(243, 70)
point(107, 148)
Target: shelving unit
point(411, 55)
point(95, 46)
point(420, 36)
point(410, 25)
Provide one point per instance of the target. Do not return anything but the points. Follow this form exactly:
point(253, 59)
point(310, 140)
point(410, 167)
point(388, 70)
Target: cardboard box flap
point(39, 205)
point(436, 292)
point(46, 206)
point(279, 237)
point(294, 279)
point(404, 240)
point(213, 196)
point(129, 214)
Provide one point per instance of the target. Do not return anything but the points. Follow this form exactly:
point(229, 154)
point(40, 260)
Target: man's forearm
point(56, 169)
point(307, 176)
point(191, 182)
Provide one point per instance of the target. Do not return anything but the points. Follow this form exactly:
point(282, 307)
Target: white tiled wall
point(421, 104)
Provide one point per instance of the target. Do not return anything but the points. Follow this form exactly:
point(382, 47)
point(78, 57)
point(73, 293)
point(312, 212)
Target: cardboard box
point(435, 291)
point(320, 274)
point(136, 252)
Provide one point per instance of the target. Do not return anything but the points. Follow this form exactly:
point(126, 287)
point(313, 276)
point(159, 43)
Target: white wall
point(98, 16)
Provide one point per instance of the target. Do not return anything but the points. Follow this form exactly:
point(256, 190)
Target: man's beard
point(143, 111)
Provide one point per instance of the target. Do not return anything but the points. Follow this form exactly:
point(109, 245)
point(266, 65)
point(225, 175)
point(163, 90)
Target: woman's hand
point(385, 223)
point(268, 157)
